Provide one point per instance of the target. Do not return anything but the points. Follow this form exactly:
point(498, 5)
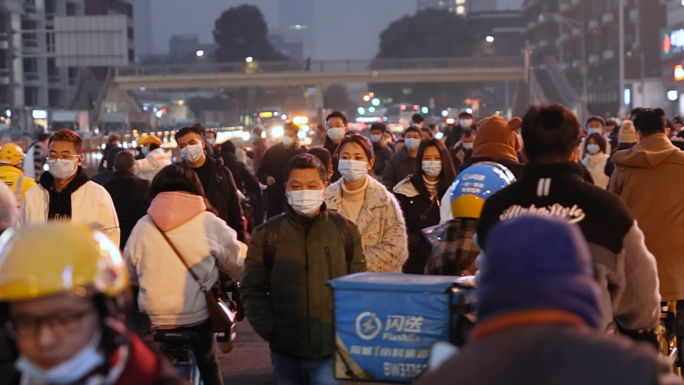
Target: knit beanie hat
point(537, 263)
point(628, 132)
point(496, 138)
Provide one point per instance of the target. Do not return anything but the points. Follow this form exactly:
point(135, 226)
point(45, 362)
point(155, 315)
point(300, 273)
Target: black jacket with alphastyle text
point(625, 269)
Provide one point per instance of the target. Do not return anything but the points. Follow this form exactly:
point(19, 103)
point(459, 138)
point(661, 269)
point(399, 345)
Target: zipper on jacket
point(330, 267)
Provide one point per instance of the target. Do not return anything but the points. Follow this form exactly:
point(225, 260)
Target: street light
point(489, 39)
point(199, 53)
point(574, 24)
point(249, 59)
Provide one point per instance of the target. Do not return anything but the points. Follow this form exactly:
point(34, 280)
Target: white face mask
point(305, 202)
point(84, 362)
point(62, 169)
point(287, 141)
point(594, 131)
point(376, 138)
point(412, 144)
point(192, 153)
point(353, 170)
point(468, 146)
point(336, 133)
point(465, 123)
point(432, 168)
point(593, 149)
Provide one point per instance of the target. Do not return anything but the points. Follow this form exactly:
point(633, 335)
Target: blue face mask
point(412, 144)
point(375, 138)
point(145, 150)
point(210, 141)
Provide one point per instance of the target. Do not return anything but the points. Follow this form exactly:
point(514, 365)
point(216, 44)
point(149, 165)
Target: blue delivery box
point(385, 324)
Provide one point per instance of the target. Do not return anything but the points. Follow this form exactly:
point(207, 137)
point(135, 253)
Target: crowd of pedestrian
point(575, 230)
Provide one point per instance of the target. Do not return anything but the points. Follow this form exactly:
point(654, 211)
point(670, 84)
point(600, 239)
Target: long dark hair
point(446, 177)
point(599, 139)
point(179, 177)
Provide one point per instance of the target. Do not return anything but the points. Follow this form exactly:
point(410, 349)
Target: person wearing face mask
point(272, 170)
point(216, 178)
point(65, 193)
point(403, 162)
point(595, 125)
point(285, 289)
point(64, 310)
point(367, 202)
point(128, 192)
point(383, 153)
point(336, 123)
point(463, 150)
point(155, 157)
point(113, 142)
point(420, 195)
point(455, 133)
point(595, 159)
point(212, 149)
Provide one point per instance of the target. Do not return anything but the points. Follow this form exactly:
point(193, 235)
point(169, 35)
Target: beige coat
point(383, 231)
point(649, 177)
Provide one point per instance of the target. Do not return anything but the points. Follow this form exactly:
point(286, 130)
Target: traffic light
point(376, 102)
point(424, 110)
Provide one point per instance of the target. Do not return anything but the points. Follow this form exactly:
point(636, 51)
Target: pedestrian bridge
point(260, 74)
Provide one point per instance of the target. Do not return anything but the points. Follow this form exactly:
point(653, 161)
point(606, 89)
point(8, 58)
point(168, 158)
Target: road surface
point(249, 363)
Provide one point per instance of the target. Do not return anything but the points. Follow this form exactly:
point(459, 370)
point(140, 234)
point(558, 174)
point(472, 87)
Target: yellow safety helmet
point(149, 138)
point(46, 259)
point(11, 153)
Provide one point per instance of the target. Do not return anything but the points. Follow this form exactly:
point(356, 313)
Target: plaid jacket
point(456, 251)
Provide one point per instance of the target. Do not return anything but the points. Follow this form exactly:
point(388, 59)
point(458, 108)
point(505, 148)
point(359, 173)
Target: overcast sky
point(353, 29)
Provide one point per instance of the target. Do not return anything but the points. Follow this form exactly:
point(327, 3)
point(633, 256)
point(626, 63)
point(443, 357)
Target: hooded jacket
point(648, 177)
point(90, 204)
point(168, 293)
point(381, 223)
point(625, 269)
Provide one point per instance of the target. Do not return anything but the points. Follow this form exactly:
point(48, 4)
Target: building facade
point(569, 30)
point(672, 58)
point(142, 27)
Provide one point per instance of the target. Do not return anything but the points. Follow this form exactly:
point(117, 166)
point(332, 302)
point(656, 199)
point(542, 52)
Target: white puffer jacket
point(90, 205)
point(382, 226)
point(154, 162)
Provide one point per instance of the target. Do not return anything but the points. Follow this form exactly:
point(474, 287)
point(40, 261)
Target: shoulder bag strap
point(178, 254)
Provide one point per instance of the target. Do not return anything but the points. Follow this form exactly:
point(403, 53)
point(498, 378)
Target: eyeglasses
point(61, 323)
point(53, 157)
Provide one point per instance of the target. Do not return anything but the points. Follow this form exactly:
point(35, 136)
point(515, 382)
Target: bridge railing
point(335, 66)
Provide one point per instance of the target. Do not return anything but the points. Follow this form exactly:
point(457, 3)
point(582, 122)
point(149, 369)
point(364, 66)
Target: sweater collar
point(552, 170)
point(356, 195)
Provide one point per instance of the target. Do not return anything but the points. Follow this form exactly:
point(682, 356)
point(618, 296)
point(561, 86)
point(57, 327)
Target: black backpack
point(273, 228)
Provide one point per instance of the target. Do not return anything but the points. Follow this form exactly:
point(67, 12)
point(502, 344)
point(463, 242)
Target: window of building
point(71, 9)
point(30, 65)
point(55, 97)
point(30, 96)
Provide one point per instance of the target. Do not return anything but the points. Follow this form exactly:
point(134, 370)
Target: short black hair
point(678, 120)
point(304, 161)
point(228, 147)
point(636, 111)
point(550, 132)
point(417, 118)
point(378, 126)
point(177, 177)
point(322, 154)
point(361, 141)
point(411, 129)
point(428, 130)
point(612, 122)
point(44, 136)
point(111, 156)
point(650, 121)
point(596, 119)
point(123, 161)
point(465, 115)
point(211, 132)
point(336, 114)
point(195, 128)
point(599, 139)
